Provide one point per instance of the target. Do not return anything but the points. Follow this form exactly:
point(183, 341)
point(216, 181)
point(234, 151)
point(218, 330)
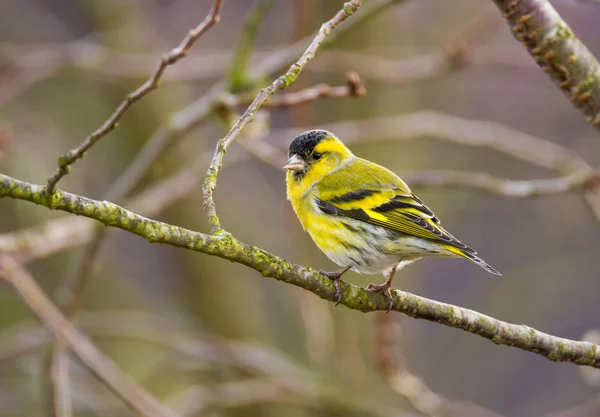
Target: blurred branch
point(174, 55)
point(225, 246)
point(60, 234)
point(279, 375)
point(282, 82)
point(70, 298)
point(556, 49)
point(32, 62)
point(183, 121)
point(392, 364)
point(354, 88)
point(59, 382)
point(457, 130)
point(196, 399)
point(479, 180)
point(495, 185)
point(76, 281)
point(105, 369)
point(237, 74)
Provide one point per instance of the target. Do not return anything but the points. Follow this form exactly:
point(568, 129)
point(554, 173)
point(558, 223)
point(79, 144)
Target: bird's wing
point(370, 193)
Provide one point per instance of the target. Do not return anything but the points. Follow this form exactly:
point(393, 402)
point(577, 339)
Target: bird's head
point(314, 154)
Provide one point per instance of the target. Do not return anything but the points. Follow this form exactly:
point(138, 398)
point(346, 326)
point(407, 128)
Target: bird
point(362, 215)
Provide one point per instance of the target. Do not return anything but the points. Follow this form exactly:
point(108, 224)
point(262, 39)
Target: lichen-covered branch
point(210, 181)
point(174, 55)
point(556, 49)
point(225, 246)
point(107, 371)
point(60, 234)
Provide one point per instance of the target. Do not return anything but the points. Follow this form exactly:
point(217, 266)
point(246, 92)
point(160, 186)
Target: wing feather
point(382, 199)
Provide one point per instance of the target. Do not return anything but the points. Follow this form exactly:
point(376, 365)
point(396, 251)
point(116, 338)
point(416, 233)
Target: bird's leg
point(336, 276)
point(385, 287)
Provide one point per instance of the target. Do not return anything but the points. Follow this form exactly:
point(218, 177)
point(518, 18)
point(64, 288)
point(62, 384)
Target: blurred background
point(213, 338)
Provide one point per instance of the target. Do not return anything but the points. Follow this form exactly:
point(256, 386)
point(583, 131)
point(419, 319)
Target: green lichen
point(349, 8)
point(562, 348)
point(563, 31)
point(291, 75)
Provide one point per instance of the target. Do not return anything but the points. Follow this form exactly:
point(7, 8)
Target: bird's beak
point(295, 163)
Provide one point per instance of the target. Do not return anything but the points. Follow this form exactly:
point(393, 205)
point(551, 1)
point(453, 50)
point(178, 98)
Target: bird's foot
point(385, 288)
point(335, 276)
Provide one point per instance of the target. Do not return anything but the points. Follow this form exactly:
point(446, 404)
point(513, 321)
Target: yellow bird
point(362, 215)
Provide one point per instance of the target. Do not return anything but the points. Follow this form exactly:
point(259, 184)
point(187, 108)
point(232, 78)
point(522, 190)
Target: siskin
point(362, 215)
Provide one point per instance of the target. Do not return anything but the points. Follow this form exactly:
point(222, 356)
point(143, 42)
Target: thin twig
point(353, 88)
point(419, 124)
point(190, 352)
point(225, 246)
point(393, 365)
point(275, 157)
point(76, 281)
point(71, 296)
point(60, 234)
point(174, 55)
point(282, 82)
point(183, 121)
point(496, 185)
point(59, 382)
point(104, 368)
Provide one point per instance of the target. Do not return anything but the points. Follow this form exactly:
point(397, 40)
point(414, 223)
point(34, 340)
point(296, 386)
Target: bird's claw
point(335, 277)
point(386, 290)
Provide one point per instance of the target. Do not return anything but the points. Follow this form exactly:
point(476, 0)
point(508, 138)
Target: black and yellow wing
point(368, 192)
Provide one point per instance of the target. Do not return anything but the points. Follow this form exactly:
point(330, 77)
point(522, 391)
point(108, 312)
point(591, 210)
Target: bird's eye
point(316, 156)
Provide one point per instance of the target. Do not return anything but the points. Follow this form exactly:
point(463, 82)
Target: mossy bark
point(226, 246)
point(557, 50)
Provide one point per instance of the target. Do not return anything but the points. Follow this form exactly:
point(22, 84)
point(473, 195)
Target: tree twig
point(457, 130)
point(183, 121)
point(59, 234)
point(282, 82)
point(225, 246)
point(105, 369)
point(174, 55)
point(556, 49)
point(354, 88)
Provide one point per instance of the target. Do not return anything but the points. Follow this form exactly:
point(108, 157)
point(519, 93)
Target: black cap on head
point(305, 142)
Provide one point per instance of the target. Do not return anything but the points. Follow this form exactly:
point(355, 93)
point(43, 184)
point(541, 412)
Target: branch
point(392, 364)
point(60, 234)
point(495, 185)
point(275, 157)
point(354, 88)
point(557, 50)
point(186, 119)
point(174, 55)
point(282, 82)
point(457, 130)
point(225, 246)
point(191, 352)
point(105, 369)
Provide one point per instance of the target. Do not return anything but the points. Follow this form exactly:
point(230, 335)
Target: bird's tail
point(471, 255)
